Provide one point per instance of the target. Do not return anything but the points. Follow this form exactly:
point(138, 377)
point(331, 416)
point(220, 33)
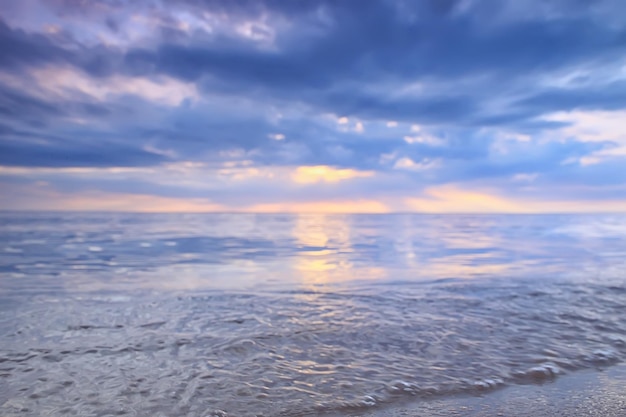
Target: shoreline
point(586, 393)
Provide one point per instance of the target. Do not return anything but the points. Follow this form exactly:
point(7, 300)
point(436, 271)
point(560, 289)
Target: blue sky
point(296, 105)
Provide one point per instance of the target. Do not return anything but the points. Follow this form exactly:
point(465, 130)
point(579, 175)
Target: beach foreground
point(303, 316)
point(585, 393)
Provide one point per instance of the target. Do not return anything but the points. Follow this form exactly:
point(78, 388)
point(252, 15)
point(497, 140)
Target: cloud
point(47, 154)
point(274, 103)
point(322, 173)
point(19, 48)
point(338, 206)
point(454, 199)
point(95, 200)
point(67, 83)
point(409, 164)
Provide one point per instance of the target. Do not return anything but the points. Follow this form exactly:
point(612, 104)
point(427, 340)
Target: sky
point(313, 105)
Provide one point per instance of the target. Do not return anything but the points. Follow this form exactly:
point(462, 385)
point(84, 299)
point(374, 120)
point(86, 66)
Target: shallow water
point(244, 315)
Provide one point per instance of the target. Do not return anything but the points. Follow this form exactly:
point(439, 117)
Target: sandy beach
point(599, 393)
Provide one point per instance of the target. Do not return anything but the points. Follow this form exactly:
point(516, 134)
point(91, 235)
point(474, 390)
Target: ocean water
point(299, 315)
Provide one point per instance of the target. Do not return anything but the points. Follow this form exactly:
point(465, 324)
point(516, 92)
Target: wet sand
point(580, 394)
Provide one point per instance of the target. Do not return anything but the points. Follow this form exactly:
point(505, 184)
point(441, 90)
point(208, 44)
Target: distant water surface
point(298, 315)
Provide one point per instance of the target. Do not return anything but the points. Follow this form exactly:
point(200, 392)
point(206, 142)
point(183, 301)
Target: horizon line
point(481, 213)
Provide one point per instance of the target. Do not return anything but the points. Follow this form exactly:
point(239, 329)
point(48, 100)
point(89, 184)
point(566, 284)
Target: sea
point(213, 315)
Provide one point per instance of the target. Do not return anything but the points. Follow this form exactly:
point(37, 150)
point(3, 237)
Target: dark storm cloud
point(58, 154)
point(18, 48)
point(360, 43)
point(32, 134)
point(21, 50)
point(18, 105)
point(611, 96)
point(370, 40)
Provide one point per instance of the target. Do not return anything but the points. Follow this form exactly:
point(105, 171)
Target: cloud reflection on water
point(95, 252)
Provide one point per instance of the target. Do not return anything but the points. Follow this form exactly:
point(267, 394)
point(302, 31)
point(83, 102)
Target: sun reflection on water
point(326, 247)
point(122, 252)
